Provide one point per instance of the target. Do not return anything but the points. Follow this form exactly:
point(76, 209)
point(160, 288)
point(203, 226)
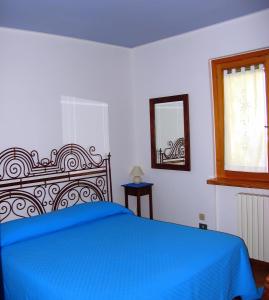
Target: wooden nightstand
point(138, 190)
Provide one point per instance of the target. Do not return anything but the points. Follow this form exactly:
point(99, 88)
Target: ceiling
point(127, 23)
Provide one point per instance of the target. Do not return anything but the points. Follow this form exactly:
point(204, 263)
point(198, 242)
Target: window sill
point(239, 183)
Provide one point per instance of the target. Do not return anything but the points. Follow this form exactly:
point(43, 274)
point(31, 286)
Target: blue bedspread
point(102, 251)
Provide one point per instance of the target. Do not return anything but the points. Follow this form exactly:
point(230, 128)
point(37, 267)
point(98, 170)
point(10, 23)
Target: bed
point(64, 239)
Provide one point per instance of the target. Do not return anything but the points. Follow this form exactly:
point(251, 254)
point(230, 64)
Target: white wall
point(36, 70)
point(180, 65)
point(85, 121)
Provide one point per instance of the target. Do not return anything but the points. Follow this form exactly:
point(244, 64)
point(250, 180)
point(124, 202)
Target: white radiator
point(253, 224)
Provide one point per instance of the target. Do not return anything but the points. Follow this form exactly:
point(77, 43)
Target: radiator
point(253, 224)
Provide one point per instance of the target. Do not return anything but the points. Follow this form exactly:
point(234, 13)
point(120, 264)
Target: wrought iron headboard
point(31, 186)
point(175, 151)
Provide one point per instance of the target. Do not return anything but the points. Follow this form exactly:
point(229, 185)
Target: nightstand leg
point(150, 205)
point(138, 206)
point(126, 199)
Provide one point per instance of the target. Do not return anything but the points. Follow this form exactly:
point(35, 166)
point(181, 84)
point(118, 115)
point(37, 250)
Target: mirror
point(170, 138)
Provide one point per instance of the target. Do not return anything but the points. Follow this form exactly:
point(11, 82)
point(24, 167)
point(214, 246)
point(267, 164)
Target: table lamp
point(136, 173)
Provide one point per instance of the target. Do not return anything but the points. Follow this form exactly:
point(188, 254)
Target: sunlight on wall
point(85, 122)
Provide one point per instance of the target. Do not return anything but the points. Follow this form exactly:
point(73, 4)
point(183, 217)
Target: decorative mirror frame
point(152, 102)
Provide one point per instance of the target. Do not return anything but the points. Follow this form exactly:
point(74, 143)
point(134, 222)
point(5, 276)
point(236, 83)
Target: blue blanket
point(102, 251)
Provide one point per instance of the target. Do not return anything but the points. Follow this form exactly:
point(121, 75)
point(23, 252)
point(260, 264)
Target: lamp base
point(137, 179)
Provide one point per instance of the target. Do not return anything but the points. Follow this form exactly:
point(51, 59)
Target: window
point(241, 109)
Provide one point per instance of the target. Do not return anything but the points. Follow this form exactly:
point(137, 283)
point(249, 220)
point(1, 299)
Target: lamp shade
point(137, 171)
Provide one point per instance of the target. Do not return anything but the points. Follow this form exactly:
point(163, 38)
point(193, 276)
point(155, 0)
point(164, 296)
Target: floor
point(260, 270)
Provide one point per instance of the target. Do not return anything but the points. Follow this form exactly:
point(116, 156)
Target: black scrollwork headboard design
point(175, 151)
point(31, 186)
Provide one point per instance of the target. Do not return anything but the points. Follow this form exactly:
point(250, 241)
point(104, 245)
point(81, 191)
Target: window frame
point(235, 178)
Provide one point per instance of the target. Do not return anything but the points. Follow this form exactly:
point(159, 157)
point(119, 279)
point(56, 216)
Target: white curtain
point(245, 120)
